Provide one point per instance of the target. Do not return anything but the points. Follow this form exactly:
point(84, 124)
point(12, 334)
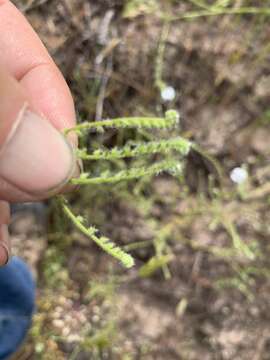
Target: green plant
point(172, 149)
point(217, 11)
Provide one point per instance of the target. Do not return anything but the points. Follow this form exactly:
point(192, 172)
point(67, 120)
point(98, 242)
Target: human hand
point(35, 105)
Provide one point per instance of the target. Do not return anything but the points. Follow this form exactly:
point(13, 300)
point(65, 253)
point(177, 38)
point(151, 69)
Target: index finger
point(25, 57)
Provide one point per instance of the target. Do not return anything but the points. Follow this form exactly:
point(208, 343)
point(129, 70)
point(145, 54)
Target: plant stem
point(178, 144)
point(133, 173)
point(103, 242)
point(216, 12)
point(170, 120)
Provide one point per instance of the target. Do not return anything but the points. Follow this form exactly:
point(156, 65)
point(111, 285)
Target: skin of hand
point(36, 161)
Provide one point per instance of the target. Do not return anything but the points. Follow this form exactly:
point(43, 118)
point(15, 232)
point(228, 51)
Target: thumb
point(34, 157)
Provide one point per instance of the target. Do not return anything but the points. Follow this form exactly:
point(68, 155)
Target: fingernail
point(36, 158)
point(4, 249)
point(77, 171)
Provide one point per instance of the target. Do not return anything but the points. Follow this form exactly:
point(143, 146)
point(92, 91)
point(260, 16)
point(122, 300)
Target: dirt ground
point(210, 297)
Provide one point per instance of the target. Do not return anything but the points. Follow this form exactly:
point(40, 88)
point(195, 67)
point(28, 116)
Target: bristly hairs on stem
point(179, 144)
point(170, 120)
point(170, 165)
point(91, 232)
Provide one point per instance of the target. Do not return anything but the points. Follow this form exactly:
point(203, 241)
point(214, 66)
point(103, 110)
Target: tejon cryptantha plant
point(173, 150)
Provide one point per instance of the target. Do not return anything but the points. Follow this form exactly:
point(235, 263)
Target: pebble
point(95, 319)
point(58, 323)
point(66, 331)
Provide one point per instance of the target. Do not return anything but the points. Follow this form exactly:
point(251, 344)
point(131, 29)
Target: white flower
point(168, 93)
point(239, 175)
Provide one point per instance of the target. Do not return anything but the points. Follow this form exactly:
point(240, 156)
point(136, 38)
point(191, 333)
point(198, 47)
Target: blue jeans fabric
point(17, 303)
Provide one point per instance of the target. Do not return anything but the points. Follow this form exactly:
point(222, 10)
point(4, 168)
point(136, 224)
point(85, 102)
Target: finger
point(34, 157)
point(4, 236)
point(24, 56)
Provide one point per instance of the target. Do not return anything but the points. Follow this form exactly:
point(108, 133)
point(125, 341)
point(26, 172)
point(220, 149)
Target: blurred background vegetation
point(200, 288)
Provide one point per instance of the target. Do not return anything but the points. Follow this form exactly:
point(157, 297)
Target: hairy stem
point(103, 242)
point(178, 144)
point(171, 119)
point(171, 166)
